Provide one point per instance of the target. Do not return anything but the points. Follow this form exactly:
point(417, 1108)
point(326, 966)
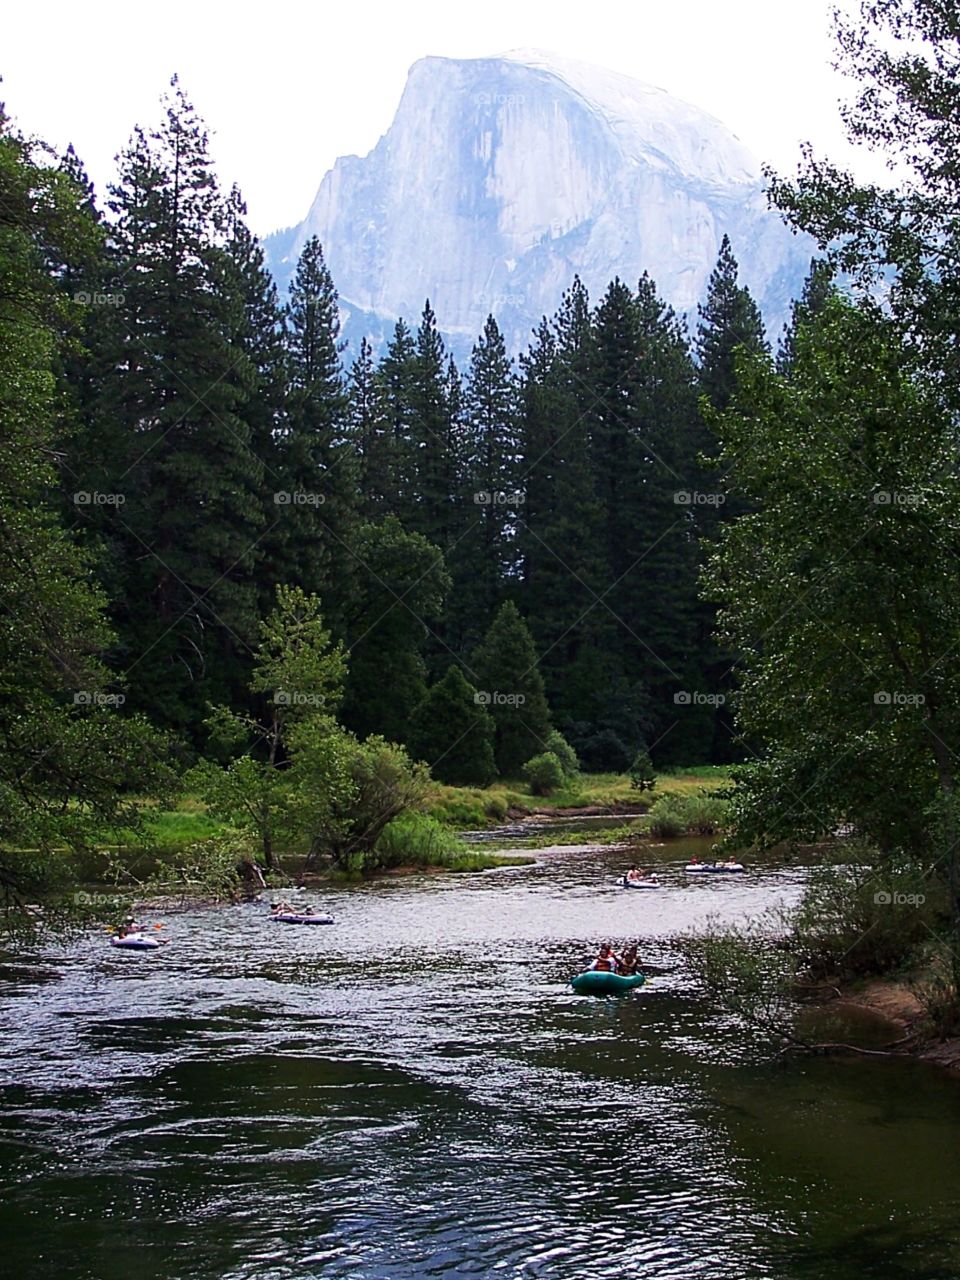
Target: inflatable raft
point(594, 983)
point(135, 942)
point(710, 868)
point(647, 883)
point(295, 917)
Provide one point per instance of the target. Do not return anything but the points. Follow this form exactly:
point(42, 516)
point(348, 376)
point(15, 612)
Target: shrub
point(937, 992)
point(557, 744)
point(747, 973)
point(642, 777)
point(415, 840)
point(495, 808)
point(706, 813)
point(864, 919)
point(454, 734)
point(544, 774)
point(667, 816)
point(700, 814)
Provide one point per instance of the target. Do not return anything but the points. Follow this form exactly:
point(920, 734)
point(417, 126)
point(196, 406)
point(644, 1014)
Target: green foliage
point(346, 791)
point(416, 840)
point(316, 480)
point(298, 673)
point(746, 972)
point(467, 808)
point(544, 774)
point(485, 555)
point(69, 758)
point(557, 745)
point(865, 917)
point(852, 464)
point(699, 813)
point(642, 776)
point(398, 585)
point(454, 734)
point(936, 989)
point(506, 672)
point(166, 432)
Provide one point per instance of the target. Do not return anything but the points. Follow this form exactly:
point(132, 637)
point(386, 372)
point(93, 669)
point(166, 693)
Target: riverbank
point(896, 1001)
point(588, 795)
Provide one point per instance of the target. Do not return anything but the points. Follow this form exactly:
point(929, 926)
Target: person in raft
point(629, 964)
point(606, 961)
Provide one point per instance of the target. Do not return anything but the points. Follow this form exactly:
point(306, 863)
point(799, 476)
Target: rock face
point(502, 178)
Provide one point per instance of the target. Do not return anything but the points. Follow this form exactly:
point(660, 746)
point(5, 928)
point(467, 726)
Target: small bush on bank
point(936, 989)
point(677, 814)
point(415, 840)
point(556, 743)
point(667, 816)
point(544, 774)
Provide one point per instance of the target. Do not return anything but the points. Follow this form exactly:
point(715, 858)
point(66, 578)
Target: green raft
point(594, 983)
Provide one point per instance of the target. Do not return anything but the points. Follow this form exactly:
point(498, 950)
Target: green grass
point(466, 807)
point(167, 832)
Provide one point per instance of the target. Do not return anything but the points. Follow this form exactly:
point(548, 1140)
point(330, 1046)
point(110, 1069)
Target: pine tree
point(371, 438)
point(817, 290)
point(560, 532)
point(729, 322)
point(172, 419)
point(257, 335)
point(643, 427)
point(396, 387)
point(398, 582)
point(434, 445)
point(509, 681)
point(317, 460)
point(454, 733)
point(69, 757)
point(729, 318)
point(484, 563)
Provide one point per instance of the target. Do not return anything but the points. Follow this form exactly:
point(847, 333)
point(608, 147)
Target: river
point(415, 1091)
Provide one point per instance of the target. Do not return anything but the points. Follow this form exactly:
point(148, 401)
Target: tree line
point(506, 558)
point(217, 440)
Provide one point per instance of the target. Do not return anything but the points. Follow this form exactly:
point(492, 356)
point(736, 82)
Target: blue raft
point(298, 917)
point(596, 983)
point(135, 942)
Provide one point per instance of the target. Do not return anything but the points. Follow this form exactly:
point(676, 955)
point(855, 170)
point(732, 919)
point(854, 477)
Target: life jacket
point(605, 964)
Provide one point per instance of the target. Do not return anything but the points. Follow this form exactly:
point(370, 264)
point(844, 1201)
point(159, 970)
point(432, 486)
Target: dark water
point(415, 1091)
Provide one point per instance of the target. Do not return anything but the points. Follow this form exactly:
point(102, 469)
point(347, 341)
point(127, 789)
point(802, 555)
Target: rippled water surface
point(415, 1091)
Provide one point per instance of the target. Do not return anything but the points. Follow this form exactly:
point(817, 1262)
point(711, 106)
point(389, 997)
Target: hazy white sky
point(288, 86)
